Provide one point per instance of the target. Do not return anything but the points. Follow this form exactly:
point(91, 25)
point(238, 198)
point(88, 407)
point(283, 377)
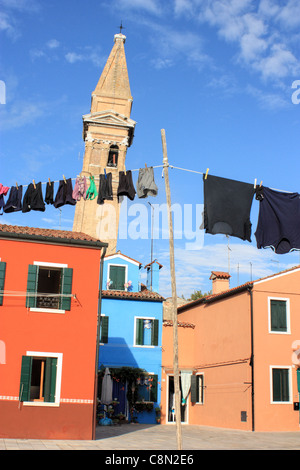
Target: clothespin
point(34, 184)
point(49, 181)
point(145, 165)
point(125, 170)
point(260, 184)
point(64, 179)
point(105, 172)
point(17, 185)
point(206, 173)
point(255, 183)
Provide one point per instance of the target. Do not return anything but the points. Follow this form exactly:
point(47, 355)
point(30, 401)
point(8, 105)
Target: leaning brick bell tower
point(107, 132)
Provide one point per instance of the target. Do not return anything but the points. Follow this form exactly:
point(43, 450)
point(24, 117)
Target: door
point(171, 402)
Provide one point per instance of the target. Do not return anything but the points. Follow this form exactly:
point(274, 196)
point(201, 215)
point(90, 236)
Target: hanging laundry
point(92, 190)
point(3, 191)
point(126, 187)
point(49, 196)
point(33, 198)
point(146, 185)
point(227, 206)
point(105, 188)
point(278, 225)
point(14, 202)
point(80, 188)
point(64, 194)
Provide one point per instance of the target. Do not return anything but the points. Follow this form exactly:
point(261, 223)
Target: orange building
point(49, 285)
point(239, 352)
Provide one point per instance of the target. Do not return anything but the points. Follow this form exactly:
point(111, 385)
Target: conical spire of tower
point(113, 88)
point(108, 131)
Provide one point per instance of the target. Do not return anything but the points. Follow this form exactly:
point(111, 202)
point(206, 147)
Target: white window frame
point(48, 265)
point(288, 316)
point(134, 332)
point(290, 401)
point(108, 273)
point(59, 357)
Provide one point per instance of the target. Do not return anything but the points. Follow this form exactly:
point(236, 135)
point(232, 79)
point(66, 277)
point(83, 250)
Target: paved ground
point(163, 437)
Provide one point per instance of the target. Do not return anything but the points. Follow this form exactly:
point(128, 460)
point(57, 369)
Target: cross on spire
point(121, 27)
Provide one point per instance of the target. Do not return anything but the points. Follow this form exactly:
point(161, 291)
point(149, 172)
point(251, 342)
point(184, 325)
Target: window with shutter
point(104, 329)
point(38, 379)
point(25, 381)
point(146, 332)
point(197, 388)
point(280, 384)
point(117, 276)
point(2, 279)
point(147, 388)
point(67, 276)
point(31, 286)
point(279, 315)
point(49, 287)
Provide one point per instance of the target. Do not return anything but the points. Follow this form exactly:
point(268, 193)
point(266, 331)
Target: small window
point(2, 280)
point(113, 156)
point(104, 329)
point(147, 388)
point(49, 287)
point(117, 277)
point(279, 316)
point(38, 379)
point(280, 385)
point(197, 387)
point(146, 332)
point(49, 282)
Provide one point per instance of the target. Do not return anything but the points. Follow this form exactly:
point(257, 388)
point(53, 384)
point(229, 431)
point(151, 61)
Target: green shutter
point(32, 285)
point(298, 379)
point(278, 315)
point(194, 383)
point(2, 278)
point(50, 379)
point(280, 385)
point(67, 276)
point(117, 277)
point(104, 329)
point(153, 389)
point(154, 333)
point(24, 394)
point(139, 339)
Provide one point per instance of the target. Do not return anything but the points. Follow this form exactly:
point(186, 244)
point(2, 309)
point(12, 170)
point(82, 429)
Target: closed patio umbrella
point(107, 386)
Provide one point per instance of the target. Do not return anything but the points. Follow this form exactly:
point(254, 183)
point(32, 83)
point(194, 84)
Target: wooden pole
point(174, 295)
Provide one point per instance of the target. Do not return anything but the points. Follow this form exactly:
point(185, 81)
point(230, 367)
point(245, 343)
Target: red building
point(49, 305)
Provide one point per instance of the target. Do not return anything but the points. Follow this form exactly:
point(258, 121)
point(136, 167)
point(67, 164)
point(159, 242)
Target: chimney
point(220, 281)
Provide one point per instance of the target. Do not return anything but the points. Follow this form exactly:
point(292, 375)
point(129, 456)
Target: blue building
point(131, 332)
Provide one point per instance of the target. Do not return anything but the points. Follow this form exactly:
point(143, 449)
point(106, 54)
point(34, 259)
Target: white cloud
point(268, 100)
point(193, 268)
point(9, 23)
point(289, 14)
point(258, 29)
point(150, 6)
point(53, 44)
point(88, 54)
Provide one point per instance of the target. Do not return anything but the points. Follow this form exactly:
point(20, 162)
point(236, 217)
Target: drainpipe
point(252, 355)
point(97, 342)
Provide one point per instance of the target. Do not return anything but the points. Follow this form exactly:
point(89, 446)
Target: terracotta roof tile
point(44, 232)
point(219, 275)
point(141, 295)
point(182, 324)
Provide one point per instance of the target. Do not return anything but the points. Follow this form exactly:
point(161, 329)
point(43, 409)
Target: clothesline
point(96, 177)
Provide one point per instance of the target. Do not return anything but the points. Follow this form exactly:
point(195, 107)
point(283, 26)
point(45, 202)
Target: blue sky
point(216, 75)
